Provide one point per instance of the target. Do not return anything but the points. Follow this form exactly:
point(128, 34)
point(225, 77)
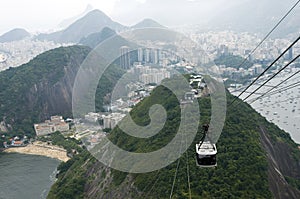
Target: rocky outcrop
point(55, 98)
point(102, 185)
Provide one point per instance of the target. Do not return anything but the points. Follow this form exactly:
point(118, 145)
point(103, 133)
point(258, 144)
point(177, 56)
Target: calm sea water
point(26, 176)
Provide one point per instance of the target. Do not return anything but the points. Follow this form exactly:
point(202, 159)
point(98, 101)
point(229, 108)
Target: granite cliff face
point(55, 98)
point(282, 166)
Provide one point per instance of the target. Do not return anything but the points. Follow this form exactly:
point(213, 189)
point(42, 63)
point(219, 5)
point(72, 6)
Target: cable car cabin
point(206, 154)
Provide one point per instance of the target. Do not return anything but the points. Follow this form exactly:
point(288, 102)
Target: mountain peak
point(67, 22)
point(96, 14)
point(107, 30)
point(94, 39)
point(14, 35)
point(93, 22)
point(148, 23)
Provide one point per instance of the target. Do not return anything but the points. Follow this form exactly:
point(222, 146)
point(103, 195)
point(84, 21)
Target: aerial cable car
point(206, 151)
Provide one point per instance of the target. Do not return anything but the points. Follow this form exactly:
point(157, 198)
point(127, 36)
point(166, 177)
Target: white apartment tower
point(125, 57)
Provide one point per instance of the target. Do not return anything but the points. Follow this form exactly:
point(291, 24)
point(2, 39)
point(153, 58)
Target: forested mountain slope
point(244, 169)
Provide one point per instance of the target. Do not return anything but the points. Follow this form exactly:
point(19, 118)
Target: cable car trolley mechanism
point(206, 151)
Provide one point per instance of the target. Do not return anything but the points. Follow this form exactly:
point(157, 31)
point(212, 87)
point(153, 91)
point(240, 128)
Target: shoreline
point(42, 149)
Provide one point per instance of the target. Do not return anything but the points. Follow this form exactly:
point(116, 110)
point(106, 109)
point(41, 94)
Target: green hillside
point(22, 89)
point(242, 171)
point(239, 155)
point(233, 61)
point(43, 87)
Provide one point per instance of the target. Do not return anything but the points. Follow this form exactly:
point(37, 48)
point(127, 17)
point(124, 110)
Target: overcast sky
point(41, 15)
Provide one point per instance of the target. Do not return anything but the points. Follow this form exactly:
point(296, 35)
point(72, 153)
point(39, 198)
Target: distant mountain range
point(92, 22)
point(245, 16)
point(91, 25)
point(14, 35)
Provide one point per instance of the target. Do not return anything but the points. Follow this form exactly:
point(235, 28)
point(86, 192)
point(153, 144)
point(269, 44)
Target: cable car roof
point(206, 149)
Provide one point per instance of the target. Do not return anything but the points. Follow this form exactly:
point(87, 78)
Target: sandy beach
point(41, 148)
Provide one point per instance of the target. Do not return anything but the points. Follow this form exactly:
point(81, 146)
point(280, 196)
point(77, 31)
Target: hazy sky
point(41, 15)
point(36, 15)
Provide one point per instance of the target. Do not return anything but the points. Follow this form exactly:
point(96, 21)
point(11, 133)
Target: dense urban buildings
point(16, 53)
point(56, 123)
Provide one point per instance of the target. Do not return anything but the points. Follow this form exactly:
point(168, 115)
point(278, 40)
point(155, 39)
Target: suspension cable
point(272, 76)
point(175, 175)
point(187, 168)
point(268, 92)
point(157, 178)
point(291, 86)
